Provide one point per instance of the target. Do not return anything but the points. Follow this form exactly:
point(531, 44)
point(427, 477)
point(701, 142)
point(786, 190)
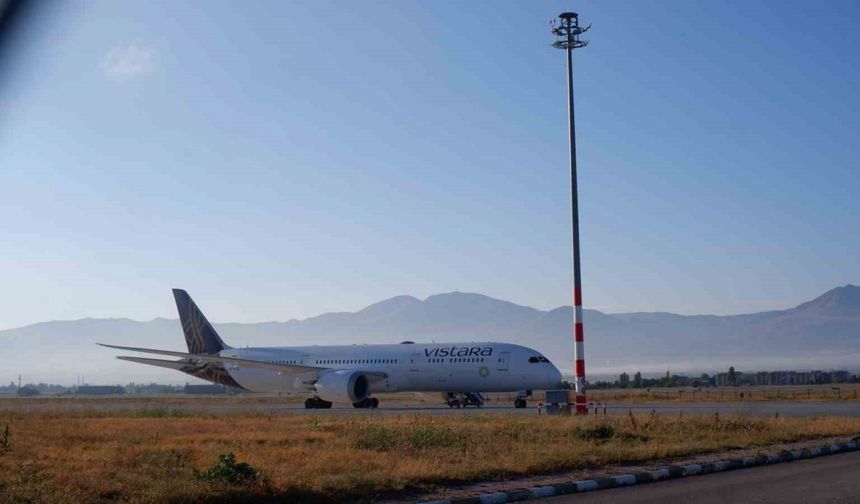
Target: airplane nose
point(554, 378)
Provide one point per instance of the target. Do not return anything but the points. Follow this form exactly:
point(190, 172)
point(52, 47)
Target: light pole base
point(579, 404)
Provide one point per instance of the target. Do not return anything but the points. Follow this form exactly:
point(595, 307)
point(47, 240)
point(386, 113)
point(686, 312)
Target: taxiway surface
point(227, 405)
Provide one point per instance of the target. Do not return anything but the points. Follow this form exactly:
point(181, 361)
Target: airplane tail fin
point(199, 333)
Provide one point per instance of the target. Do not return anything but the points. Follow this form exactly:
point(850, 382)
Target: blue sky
point(283, 159)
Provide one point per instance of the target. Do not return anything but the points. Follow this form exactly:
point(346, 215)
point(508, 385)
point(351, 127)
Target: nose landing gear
point(520, 401)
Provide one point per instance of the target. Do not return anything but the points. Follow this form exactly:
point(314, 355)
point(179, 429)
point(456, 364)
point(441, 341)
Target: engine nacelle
point(342, 385)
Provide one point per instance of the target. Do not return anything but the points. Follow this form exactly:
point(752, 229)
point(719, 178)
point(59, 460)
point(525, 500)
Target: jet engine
point(343, 385)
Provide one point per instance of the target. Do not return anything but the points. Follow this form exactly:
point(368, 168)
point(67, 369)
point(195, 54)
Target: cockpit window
point(534, 359)
point(543, 359)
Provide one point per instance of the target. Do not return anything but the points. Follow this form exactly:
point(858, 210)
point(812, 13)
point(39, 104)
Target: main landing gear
point(367, 402)
point(316, 403)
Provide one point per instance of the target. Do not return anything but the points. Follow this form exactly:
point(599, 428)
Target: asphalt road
point(829, 479)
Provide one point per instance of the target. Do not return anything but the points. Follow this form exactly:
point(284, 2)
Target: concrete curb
point(663, 473)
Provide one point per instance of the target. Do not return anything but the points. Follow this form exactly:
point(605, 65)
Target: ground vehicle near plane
point(352, 373)
point(463, 399)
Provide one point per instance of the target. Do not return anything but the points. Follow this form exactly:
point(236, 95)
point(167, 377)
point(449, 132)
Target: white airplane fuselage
point(442, 367)
point(350, 373)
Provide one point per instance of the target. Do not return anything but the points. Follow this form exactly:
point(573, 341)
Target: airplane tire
point(520, 403)
point(369, 402)
point(317, 403)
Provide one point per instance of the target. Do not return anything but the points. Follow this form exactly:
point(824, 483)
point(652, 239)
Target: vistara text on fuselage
point(352, 373)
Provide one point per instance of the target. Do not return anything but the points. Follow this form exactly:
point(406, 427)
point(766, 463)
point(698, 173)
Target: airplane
point(352, 373)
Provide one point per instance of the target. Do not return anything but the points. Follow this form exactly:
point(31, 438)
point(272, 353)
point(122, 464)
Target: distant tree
point(624, 380)
point(28, 391)
point(637, 380)
point(732, 377)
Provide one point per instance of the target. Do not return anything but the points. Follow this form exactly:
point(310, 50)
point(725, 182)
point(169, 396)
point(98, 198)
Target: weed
point(376, 437)
point(738, 425)
point(228, 472)
point(515, 431)
point(600, 432)
point(6, 440)
point(420, 437)
point(315, 425)
point(411, 437)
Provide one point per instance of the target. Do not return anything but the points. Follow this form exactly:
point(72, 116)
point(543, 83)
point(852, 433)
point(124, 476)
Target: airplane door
point(504, 359)
point(413, 361)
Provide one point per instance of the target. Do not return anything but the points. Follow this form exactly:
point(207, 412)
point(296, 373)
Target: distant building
point(100, 390)
point(722, 379)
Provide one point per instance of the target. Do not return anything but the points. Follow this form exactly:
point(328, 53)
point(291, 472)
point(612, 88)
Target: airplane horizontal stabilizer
point(178, 365)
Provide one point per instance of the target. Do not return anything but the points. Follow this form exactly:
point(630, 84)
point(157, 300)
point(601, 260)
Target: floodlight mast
point(568, 31)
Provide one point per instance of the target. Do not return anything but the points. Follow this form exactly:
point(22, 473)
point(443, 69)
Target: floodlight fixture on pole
point(568, 31)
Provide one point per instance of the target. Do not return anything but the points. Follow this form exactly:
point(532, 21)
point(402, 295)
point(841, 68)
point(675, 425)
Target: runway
point(830, 479)
point(227, 405)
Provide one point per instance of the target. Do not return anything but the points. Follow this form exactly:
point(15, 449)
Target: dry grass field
point(162, 454)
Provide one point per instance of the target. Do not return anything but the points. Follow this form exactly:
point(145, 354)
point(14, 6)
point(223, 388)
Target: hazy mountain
point(822, 333)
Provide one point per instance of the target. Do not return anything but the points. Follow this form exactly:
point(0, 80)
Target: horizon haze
point(819, 334)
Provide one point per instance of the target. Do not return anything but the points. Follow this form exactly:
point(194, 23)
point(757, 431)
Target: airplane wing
point(282, 368)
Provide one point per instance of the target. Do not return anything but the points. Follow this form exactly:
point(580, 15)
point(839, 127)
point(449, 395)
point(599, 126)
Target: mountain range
point(821, 333)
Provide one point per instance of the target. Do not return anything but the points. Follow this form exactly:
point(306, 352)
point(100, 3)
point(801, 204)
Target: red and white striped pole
point(568, 31)
point(578, 349)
